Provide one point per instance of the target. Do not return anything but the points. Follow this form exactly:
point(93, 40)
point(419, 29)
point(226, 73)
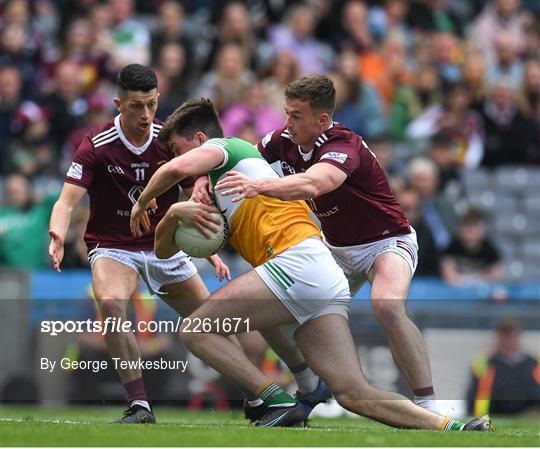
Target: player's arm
point(319, 179)
point(195, 162)
point(195, 214)
point(60, 218)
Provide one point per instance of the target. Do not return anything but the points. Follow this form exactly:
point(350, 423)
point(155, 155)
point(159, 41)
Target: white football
point(193, 243)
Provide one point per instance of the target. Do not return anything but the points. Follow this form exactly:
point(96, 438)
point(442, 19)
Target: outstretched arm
point(60, 218)
point(319, 179)
point(193, 163)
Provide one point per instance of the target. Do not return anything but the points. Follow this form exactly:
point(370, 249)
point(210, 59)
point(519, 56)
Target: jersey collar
point(136, 150)
point(320, 140)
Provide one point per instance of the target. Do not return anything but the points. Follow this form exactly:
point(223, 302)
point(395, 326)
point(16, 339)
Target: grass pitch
point(90, 426)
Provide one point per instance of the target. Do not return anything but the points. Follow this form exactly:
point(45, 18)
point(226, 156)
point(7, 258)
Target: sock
point(425, 398)
point(274, 396)
point(136, 392)
point(255, 403)
point(306, 379)
point(452, 424)
point(144, 404)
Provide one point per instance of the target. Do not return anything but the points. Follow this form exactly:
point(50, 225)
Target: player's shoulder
point(103, 134)
point(340, 133)
point(156, 127)
point(278, 137)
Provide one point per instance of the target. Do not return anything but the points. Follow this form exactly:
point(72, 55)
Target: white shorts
point(155, 272)
point(307, 280)
point(356, 261)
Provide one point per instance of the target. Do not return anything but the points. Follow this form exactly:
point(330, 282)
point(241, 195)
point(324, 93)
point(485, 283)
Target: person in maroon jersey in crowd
point(113, 164)
point(335, 171)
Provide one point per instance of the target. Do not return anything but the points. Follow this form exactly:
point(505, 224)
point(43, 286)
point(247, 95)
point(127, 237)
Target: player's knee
point(389, 311)
point(355, 398)
point(111, 306)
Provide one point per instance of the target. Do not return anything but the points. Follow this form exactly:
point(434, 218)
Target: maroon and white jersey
point(363, 209)
point(115, 173)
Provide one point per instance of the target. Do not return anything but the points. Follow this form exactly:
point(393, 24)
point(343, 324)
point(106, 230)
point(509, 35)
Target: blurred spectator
point(254, 112)
point(354, 32)
point(498, 17)
point(358, 105)
point(297, 36)
point(461, 124)
point(226, 84)
point(172, 65)
point(129, 39)
point(532, 38)
point(283, 70)
point(443, 152)
point(234, 26)
point(409, 101)
point(511, 138)
point(24, 224)
point(529, 96)
point(474, 78)
point(347, 111)
point(423, 176)
point(30, 152)
point(45, 22)
point(428, 253)
point(66, 105)
point(433, 15)
point(389, 18)
point(471, 258)
point(447, 57)
point(506, 381)
point(171, 30)
point(15, 51)
point(10, 99)
point(506, 63)
point(79, 48)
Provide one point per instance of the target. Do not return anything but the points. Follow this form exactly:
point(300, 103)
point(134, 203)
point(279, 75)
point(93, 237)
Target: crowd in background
point(440, 90)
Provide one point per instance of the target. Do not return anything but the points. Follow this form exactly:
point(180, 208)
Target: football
point(193, 243)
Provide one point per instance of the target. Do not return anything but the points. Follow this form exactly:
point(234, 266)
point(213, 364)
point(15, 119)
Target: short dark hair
point(317, 90)
point(136, 77)
point(191, 117)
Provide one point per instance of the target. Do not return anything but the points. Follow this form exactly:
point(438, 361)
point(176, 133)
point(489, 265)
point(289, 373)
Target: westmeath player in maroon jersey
point(335, 171)
point(113, 165)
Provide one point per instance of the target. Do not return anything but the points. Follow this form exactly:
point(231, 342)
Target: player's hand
point(139, 217)
point(202, 191)
point(239, 184)
point(197, 215)
point(56, 250)
point(221, 269)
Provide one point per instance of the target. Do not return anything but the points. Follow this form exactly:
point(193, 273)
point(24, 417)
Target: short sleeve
point(342, 154)
point(81, 170)
point(268, 146)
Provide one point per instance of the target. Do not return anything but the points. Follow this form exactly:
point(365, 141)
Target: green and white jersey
point(240, 156)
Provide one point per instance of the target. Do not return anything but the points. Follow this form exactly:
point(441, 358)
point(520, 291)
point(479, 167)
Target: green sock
point(453, 424)
point(275, 396)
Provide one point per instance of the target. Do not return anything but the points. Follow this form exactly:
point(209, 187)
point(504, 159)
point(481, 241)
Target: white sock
point(306, 380)
point(144, 404)
point(255, 402)
point(427, 402)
